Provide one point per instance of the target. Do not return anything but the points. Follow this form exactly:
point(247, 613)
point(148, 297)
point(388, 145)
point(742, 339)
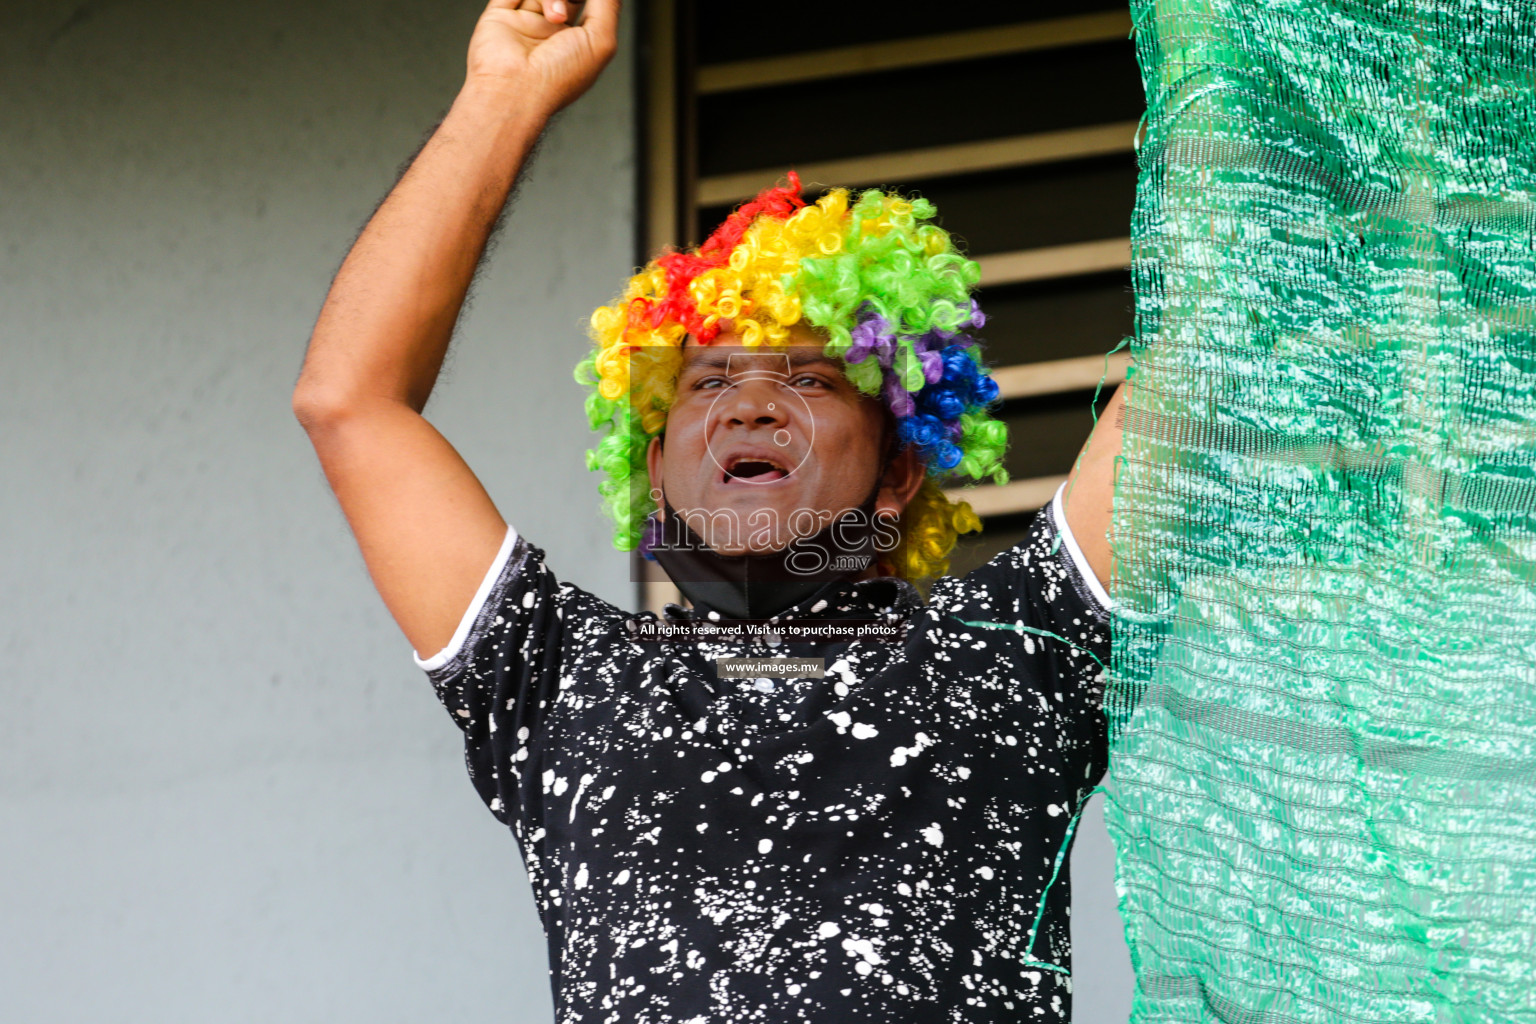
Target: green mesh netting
point(1323, 699)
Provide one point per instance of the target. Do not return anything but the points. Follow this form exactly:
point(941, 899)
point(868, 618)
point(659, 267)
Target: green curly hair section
point(906, 271)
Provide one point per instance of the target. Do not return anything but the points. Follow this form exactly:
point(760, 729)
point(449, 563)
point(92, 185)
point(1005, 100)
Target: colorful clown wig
point(892, 297)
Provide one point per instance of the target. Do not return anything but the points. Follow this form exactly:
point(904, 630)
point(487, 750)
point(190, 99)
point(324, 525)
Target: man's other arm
point(1091, 488)
point(427, 529)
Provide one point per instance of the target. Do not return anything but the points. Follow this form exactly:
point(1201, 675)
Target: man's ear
point(903, 476)
point(653, 467)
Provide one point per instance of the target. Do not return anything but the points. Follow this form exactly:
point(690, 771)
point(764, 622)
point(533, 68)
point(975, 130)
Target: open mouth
point(754, 469)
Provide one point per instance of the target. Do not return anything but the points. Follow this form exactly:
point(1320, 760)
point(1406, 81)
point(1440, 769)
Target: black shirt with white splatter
point(887, 844)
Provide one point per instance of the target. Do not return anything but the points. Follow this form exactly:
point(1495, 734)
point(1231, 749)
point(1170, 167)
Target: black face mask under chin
point(761, 586)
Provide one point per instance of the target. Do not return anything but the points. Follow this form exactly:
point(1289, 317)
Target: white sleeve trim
point(492, 574)
point(1059, 515)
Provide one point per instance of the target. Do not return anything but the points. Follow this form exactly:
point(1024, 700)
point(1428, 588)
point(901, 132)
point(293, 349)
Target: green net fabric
point(1323, 693)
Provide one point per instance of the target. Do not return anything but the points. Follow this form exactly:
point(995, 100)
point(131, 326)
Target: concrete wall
point(227, 795)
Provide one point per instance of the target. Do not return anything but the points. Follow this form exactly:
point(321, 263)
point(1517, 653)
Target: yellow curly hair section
point(930, 528)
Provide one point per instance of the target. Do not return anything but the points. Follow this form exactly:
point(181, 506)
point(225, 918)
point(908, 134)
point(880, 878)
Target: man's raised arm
point(427, 529)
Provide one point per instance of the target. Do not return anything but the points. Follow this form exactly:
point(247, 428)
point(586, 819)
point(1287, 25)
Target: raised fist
point(536, 47)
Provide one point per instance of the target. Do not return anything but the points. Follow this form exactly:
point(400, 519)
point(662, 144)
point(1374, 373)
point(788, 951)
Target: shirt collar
point(879, 598)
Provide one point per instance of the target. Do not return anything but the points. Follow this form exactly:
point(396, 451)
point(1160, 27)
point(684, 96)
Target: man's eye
point(808, 380)
point(711, 382)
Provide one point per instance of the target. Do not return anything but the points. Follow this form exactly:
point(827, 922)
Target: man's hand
point(530, 45)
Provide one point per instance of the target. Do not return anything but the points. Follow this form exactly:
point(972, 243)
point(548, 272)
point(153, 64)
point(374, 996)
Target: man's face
point(773, 436)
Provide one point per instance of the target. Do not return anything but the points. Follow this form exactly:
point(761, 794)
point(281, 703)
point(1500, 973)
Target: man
point(886, 843)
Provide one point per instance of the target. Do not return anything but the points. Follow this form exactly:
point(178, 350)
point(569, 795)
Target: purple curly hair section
point(953, 382)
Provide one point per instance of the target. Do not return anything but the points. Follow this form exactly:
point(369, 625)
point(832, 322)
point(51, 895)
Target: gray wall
point(226, 794)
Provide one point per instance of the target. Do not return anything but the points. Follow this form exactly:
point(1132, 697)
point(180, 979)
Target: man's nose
point(756, 401)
